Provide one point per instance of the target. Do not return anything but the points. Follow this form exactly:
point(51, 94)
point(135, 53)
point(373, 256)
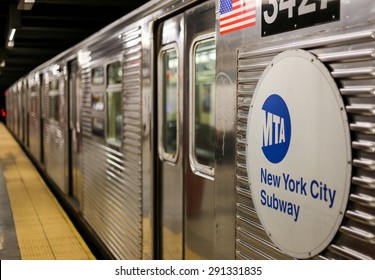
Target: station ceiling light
point(25, 4)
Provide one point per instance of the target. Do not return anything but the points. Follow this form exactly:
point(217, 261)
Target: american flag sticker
point(236, 15)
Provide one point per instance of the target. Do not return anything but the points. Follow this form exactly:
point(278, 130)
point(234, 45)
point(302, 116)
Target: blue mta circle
point(276, 129)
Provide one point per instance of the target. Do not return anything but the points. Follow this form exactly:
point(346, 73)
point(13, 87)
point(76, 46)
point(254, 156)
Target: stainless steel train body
point(143, 126)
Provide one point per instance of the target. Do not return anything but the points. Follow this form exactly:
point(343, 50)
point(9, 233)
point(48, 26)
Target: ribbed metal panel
point(9, 99)
point(34, 118)
point(350, 58)
point(86, 102)
point(8, 108)
point(15, 111)
point(55, 139)
point(112, 178)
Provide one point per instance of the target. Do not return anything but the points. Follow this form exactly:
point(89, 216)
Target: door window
point(54, 100)
point(114, 103)
point(169, 104)
point(202, 122)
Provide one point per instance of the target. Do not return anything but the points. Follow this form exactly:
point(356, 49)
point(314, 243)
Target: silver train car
point(239, 129)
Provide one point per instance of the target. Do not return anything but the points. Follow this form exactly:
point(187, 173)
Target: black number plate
point(280, 16)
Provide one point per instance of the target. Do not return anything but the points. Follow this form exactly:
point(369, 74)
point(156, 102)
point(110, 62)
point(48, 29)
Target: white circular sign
point(298, 154)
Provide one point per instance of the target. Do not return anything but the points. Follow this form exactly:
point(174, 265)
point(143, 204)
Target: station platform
point(33, 225)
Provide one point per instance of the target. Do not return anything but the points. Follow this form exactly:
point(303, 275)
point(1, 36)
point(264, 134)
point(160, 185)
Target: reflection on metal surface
point(112, 175)
point(356, 84)
point(1, 240)
point(202, 106)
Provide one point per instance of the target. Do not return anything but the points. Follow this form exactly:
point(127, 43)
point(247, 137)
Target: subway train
point(207, 130)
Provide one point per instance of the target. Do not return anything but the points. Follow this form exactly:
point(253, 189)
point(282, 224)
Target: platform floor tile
point(43, 229)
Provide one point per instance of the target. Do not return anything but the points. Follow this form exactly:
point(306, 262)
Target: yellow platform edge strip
point(36, 211)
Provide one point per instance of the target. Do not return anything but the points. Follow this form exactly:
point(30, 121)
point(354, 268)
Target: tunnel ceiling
point(50, 27)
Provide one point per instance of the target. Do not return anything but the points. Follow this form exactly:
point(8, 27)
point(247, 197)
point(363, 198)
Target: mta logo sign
point(276, 129)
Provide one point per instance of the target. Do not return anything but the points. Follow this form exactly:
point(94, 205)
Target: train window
point(114, 73)
point(98, 101)
point(202, 141)
point(114, 103)
point(114, 117)
point(98, 127)
point(97, 76)
point(33, 103)
point(54, 107)
point(54, 100)
point(169, 103)
point(53, 85)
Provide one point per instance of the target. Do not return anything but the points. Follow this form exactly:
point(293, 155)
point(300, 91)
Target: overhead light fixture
point(10, 44)
point(25, 4)
point(14, 24)
point(2, 58)
point(11, 35)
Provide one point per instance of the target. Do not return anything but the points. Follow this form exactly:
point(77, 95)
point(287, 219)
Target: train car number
point(280, 16)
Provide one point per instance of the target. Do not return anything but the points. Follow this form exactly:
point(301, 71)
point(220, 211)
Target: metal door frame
point(181, 160)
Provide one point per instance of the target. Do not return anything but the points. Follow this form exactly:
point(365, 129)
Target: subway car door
point(23, 110)
point(42, 116)
point(186, 115)
point(74, 132)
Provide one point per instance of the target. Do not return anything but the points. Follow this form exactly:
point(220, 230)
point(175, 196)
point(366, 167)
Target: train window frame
point(93, 82)
point(33, 102)
point(114, 89)
point(95, 90)
point(32, 94)
point(94, 96)
point(197, 167)
point(55, 93)
point(95, 129)
point(163, 154)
